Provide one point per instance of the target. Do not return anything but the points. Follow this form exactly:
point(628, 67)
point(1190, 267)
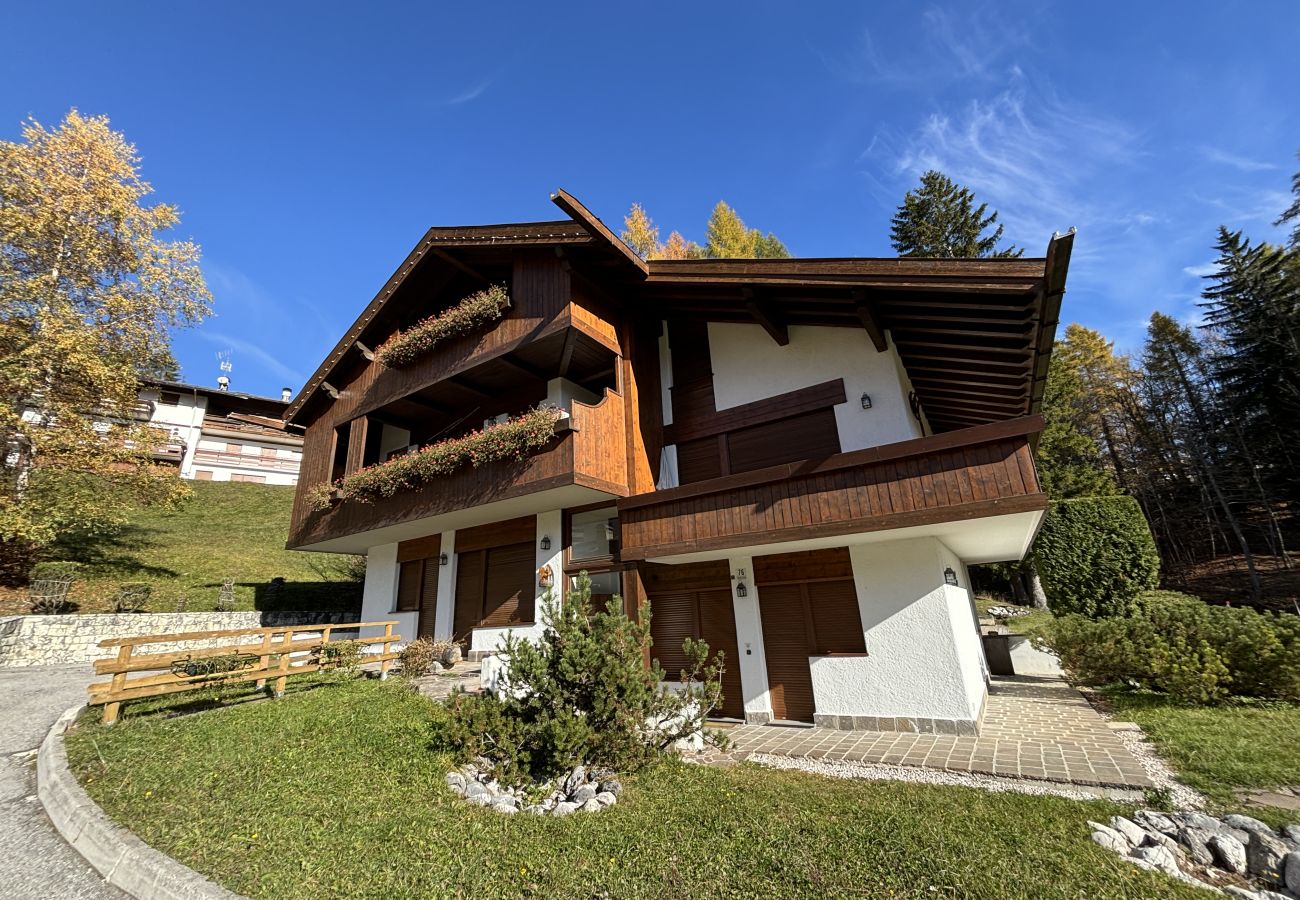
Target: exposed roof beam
point(465, 384)
point(365, 351)
point(588, 220)
point(566, 353)
point(766, 316)
point(453, 261)
point(518, 366)
point(866, 312)
point(330, 389)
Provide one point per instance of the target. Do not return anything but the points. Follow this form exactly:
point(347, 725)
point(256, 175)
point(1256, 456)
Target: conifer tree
point(940, 219)
point(640, 233)
point(726, 236)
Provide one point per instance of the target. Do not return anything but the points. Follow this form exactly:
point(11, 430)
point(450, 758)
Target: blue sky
point(310, 145)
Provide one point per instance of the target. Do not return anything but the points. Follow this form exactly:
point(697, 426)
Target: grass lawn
point(1035, 622)
point(337, 791)
point(225, 530)
point(1246, 744)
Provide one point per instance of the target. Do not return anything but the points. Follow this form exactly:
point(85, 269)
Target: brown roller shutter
point(469, 592)
point(812, 435)
point(837, 624)
point(718, 629)
point(698, 460)
point(428, 598)
point(508, 589)
point(408, 586)
point(785, 644)
point(672, 621)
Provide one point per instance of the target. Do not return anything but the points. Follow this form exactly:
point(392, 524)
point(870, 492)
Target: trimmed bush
point(583, 694)
point(419, 657)
point(1177, 644)
point(1095, 556)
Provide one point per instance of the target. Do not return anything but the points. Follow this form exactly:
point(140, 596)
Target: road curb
point(125, 861)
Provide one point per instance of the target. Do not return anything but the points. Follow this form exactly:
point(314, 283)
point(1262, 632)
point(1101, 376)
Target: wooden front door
point(694, 601)
point(785, 644)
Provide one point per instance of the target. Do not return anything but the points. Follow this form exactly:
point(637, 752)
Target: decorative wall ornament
point(545, 577)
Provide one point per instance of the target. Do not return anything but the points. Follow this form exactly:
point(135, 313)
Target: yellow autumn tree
point(640, 233)
point(89, 291)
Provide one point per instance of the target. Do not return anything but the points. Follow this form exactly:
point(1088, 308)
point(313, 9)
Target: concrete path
point(35, 862)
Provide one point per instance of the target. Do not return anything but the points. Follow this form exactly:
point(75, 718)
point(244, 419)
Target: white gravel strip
point(1180, 795)
point(913, 775)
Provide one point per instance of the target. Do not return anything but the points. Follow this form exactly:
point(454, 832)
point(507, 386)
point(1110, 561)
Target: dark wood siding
point(812, 435)
point(699, 460)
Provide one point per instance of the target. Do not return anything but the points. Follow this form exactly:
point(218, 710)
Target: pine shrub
point(1095, 556)
point(582, 694)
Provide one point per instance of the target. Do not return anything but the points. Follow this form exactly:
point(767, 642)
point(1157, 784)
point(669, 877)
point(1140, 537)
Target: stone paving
point(439, 685)
point(1034, 727)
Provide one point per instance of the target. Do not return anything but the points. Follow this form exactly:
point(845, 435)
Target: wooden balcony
point(972, 473)
point(587, 461)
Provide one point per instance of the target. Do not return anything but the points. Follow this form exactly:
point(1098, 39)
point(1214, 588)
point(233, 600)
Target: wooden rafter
point(767, 317)
point(453, 261)
point(866, 313)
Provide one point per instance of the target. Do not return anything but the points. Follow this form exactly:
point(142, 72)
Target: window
point(169, 398)
point(234, 448)
point(269, 453)
point(202, 474)
point(605, 586)
point(251, 479)
point(593, 534)
point(339, 467)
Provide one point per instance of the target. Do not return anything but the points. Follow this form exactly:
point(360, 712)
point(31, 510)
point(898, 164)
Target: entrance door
point(785, 644)
point(694, 601)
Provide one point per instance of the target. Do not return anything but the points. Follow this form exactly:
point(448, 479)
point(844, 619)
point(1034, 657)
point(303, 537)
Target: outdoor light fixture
point(949, 576)
point(442, 559)
point(866, 401)
point(741, 590)
point(546, 542)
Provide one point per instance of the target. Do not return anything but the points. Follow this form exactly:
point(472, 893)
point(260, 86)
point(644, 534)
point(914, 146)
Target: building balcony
point(229, 460)
point(950, 485)
point(586, 462)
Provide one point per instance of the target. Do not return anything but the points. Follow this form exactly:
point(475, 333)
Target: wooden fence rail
point(254, 654)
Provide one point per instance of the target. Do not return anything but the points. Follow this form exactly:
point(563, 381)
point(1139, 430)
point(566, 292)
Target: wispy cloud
point(469, 94)
point(240, 346)
point(1240, 163)
point(1202, 270)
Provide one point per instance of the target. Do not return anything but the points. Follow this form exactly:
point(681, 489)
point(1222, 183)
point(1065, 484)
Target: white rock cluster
point(1007, 612)
point(1209, 852)
point(579, 791)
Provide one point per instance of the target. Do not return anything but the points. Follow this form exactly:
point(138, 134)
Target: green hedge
point(1177, 644)
point(1095, 555)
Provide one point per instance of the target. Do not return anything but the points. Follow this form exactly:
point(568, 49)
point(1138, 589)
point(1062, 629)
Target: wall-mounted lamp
point(949, 576)
point(442, 559)
point(741, 590)
point(546, 542)
point(866, 401)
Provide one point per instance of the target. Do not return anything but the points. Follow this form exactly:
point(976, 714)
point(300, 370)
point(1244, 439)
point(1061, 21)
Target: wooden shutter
point(698, 460)
point(812, 435)
point(469, 592)
point(428, 598)
point(673, 619)
point(409, 578)
point(785, 644)
point(718, 629)
point(837, 623)
point(508, 587)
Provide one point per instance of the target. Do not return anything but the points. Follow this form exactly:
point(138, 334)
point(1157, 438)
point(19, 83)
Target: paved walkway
point(1033, 727)
point(35, 862)
point(439, 685)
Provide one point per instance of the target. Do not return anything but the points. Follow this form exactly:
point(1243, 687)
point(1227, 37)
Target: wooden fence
point(253, 654)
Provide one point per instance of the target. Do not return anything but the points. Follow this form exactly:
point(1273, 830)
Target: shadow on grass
point(114, 554)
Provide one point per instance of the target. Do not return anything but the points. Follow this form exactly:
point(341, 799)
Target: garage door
point(809, 607)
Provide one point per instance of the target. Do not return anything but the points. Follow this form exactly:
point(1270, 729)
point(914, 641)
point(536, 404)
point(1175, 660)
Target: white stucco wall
point(749, 638)
point(748, 366)
point(922, 657)
point(445, 606)
point(379, 595)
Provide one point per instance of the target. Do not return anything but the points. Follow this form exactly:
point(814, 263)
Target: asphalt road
point(35, 862)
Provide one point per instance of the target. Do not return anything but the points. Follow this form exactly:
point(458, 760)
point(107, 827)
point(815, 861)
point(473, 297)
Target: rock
point(592, 805)
point(1264, 855)
point(584, 793)
point(1292, 833)
point(1161, 857)
point(1229, 853)
point(611, 786)
point(474, 790)
point(1246, 823)
point(1106, 829)
point(1132, 832)
point(576, 778)
point(1155, 821)
point(536, 809)
point(1197, 842)
point(505, 805)
point(605, 798)
point(1141, 864)
point(1291, 872)
point(1111, 841)
point(456, 782)
point(1211, 824)
point(564, 809)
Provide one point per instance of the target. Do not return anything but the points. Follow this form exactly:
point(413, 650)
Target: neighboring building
point(216, 434)
point(795, 459)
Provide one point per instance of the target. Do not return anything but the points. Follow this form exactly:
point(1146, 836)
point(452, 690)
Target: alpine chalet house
point(793, 459)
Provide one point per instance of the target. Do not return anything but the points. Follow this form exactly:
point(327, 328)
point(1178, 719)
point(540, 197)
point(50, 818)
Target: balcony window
point(593, 534)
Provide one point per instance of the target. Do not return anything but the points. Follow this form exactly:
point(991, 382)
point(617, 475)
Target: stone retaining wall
point(54, 640)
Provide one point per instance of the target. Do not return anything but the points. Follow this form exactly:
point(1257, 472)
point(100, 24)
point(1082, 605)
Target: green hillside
point(225, 530)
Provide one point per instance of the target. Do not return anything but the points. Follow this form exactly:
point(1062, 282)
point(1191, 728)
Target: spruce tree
point(940, 219)
point(726, 236)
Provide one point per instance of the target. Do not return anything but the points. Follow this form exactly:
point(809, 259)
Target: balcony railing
point(245, 461)
point(975, 472)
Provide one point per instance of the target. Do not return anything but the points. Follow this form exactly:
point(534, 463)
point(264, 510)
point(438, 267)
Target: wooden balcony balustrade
point(970, 473)
point(589, 451)
point(245, 460)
